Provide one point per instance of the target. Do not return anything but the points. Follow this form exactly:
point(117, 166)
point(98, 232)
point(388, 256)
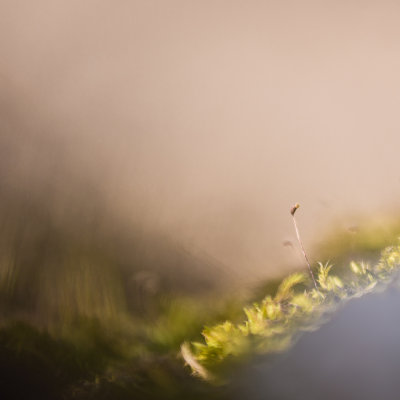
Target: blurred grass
point(363, 239)
point(82, 317)
point(91, 309)
point(105, 358)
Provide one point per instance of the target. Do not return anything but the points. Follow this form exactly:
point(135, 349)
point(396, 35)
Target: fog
point(204, 121)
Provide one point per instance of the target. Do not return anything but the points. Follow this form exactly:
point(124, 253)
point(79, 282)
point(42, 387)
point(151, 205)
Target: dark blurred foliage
point(92, 305)
point(36, 365)
point(104, 310)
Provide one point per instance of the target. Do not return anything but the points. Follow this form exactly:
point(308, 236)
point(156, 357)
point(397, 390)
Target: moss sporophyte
point(292, 212)
point(274, 323)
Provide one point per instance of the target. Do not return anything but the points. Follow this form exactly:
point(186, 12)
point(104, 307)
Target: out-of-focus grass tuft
point(82, 318)
point(365, 239)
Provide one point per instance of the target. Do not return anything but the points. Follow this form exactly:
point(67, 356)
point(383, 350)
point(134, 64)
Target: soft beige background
point(206, 120)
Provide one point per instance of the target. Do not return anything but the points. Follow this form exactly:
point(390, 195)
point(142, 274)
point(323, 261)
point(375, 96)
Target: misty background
point(195, 126)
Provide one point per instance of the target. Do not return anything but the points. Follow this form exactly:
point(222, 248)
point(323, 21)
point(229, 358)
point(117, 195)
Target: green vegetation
point(365, 239)
point(125, 357)
point(90, 309)
point(89, 313)
point(274, 323)
point(92, 358)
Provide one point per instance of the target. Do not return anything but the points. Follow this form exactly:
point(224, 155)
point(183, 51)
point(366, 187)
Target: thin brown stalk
point(292, 212)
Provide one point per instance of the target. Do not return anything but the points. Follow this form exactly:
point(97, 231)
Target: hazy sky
point(207, 120)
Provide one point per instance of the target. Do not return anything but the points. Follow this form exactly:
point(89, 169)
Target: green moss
point(274, 323)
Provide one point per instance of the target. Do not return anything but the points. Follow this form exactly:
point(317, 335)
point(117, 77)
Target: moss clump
point(274, 323)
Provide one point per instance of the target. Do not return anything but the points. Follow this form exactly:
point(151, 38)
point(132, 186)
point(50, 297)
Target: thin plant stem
point(292, 211)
